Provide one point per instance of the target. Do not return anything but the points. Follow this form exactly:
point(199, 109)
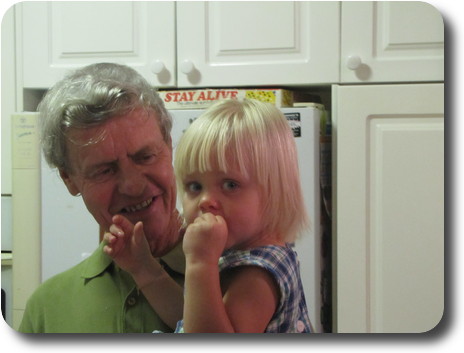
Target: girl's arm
point(128, 247)
point(162, 292)
point(251, 297)
point(248, 297)
point(248, 303)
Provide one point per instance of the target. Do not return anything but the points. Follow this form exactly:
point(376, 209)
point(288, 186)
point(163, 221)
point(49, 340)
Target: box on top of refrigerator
point(203, 98)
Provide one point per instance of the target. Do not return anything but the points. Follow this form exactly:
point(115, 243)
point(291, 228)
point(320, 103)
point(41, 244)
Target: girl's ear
point(69, 182)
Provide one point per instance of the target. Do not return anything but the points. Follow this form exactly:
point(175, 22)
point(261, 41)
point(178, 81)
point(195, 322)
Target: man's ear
point(72, 187)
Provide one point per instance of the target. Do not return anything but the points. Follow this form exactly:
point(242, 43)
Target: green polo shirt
point(94, 296)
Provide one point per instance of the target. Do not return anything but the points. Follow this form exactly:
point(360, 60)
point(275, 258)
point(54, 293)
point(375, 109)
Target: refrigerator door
point(305, 124)
point(181, 120)
point(69, 232)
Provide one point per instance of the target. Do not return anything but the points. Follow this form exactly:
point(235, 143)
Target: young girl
point(238, 179)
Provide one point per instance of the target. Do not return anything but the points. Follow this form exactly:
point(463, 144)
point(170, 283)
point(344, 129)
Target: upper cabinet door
point(391, 41)
point(257, 43)
point(59, 36)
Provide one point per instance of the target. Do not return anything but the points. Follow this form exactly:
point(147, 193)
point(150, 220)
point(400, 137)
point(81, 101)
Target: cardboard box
point(203, 98)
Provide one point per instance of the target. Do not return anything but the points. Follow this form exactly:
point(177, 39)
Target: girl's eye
point(230, 185)
point(193, 186)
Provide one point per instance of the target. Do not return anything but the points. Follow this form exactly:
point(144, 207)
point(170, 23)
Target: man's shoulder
point(75, 276)
point(50, 299)
point(60, 282)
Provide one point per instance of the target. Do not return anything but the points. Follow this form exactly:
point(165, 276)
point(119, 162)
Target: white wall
point(8, 95)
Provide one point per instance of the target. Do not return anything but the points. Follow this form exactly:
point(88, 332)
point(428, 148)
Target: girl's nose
point(131, 181)
point(208, 202)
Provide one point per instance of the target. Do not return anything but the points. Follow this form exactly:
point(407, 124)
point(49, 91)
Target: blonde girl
point(237, 177)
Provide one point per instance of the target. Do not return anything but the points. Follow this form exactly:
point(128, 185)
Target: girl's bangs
point(216, 152)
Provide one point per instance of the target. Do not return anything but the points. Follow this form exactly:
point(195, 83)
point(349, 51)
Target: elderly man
point(108, 133)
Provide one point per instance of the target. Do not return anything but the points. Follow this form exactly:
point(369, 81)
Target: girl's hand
point(127, 245)
point(205, 238)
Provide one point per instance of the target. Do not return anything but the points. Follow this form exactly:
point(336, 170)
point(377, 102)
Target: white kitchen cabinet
point(391, 41)
point(184, 44)
point(389, 207)
point(235, 43)
point(60, 36)
point(246, 43)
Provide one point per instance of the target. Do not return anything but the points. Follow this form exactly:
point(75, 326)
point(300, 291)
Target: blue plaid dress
point(291, 315)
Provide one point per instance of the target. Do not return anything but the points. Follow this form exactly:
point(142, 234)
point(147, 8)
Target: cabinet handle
point(157, 66)
point(187, 67)
point(353, 62)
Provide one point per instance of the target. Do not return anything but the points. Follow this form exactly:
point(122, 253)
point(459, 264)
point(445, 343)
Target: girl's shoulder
point(271, 257)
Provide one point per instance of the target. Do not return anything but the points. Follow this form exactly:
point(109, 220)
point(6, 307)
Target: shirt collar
point(175, 259)
point(99, 262)
point(96, 263)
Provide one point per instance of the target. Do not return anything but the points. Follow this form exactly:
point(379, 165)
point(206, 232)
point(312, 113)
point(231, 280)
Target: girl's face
point(236, 198)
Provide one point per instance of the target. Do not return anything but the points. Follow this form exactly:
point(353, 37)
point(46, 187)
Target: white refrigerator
point(65, 233)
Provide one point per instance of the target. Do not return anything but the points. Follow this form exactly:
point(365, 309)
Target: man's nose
point(131, 181)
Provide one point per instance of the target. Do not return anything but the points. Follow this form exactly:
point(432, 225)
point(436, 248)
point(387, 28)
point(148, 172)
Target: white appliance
point(7, 246)
point(69, 233)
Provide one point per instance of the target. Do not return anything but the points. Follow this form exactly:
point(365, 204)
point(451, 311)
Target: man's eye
point(193, 187)
point(146, 158)
point(102, 174)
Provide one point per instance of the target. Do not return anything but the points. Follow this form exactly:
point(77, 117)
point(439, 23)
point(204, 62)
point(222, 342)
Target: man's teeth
point(138, 207)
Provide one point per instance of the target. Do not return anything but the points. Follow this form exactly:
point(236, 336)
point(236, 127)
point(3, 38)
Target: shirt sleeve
point(32, 318)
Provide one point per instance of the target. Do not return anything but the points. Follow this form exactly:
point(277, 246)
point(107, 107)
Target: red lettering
point(168, 97)
point(183, 97)
point(176, 96)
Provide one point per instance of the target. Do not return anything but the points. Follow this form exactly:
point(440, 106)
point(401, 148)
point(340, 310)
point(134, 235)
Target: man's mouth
point(141, 206)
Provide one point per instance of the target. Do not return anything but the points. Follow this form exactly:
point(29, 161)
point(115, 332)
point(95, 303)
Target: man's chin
point(162, 245)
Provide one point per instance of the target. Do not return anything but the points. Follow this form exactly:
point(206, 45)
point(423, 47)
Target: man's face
point(125, 167)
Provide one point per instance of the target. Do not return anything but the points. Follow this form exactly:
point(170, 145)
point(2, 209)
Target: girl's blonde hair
point(256, 137)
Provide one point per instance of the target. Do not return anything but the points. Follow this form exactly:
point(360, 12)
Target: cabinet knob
point(353, 62)
point(187, 67)
point(157, 66)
